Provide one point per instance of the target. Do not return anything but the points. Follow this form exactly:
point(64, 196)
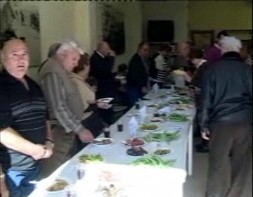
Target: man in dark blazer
point(101, 69)
point(101, 66)
point(137, 76)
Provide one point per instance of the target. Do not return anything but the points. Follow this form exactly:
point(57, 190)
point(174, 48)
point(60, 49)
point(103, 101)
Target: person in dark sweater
point(101, 69)
point(213, 52)
point(25, 135)
point(196, 83)
point(137, 76)
point(226, 120)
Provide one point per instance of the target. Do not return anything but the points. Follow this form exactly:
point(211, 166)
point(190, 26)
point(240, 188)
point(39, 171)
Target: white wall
point(81, 21)
point(133, 27)
point(24, 29)
point(168, 10)
point(229, 15)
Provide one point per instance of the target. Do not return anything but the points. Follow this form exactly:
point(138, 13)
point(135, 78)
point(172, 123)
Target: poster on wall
point(113, 30)
point(23, 21)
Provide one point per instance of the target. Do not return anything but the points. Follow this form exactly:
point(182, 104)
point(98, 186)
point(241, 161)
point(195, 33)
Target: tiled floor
point(196, 184)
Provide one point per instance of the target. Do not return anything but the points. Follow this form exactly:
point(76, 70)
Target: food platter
point(162, 151)
point(148, 127)
point(133, 142)
point(90, 158)
point(136, 151)
point(102, 141)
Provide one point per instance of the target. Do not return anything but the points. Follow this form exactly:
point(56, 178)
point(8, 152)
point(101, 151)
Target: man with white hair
point(227, 120)
point(65, 104)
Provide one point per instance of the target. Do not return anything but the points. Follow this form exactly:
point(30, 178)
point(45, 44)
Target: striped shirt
point(161, 67)
point(25, 111)
point(57, 100)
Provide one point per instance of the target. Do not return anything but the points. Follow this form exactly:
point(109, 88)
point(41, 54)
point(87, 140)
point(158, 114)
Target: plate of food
point(177, 117)
point(105, 100)
point(153, 160)
point(156, 119)
point(162, 151)
point(148, 127)
point(136, 151)
point(102, 141)
point(58, 187)
point(133, 142)
point(90, 158)
point(164, 136)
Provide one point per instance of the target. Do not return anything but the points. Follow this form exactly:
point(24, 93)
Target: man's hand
point(85, 136)
point(144, 90)
point(48, 153)
point(205, 134)
point(49, 149)
point(38, 152)
point(103, 105)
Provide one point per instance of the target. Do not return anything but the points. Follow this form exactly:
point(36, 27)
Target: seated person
point(79, 75)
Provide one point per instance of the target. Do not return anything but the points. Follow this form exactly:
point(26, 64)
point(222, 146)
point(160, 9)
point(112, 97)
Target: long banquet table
point(145, 181)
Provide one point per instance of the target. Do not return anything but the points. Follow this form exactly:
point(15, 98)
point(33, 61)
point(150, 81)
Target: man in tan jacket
point(65, 105)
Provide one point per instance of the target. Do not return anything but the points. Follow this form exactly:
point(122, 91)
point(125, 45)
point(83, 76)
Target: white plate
point(156, 120)
point(101, 139)
point(105, 100)
point(60, 193)
point(120, 77)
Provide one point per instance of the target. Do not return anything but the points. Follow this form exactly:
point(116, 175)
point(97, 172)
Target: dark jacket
point(197, 83)
point(227, 91)
point(137, 75)
point(101, 69)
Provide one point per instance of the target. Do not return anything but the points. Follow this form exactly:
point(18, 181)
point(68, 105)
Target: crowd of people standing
point(43, 125)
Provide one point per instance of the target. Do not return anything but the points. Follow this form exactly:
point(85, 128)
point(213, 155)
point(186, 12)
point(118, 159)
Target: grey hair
point(67, 46)
point(230, 43)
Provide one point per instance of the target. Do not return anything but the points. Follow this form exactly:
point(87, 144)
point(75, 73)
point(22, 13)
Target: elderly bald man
point(25, 136)
point(101, 68)
point(226, 120)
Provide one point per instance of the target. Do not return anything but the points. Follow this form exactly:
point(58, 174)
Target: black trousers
point(229, 155)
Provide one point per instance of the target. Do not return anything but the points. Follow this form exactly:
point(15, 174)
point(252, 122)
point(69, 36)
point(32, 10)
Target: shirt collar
point(74, 75)
point(9, 78)
point(200, 63)
point(100, 54)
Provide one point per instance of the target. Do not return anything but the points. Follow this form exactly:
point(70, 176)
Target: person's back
point(232, 78)
point(227, 120)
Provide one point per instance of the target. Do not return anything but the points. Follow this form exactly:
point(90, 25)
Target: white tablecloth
point(115, 155)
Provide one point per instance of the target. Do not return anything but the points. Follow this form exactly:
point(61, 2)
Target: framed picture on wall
point(202, 38)
point(113, 28)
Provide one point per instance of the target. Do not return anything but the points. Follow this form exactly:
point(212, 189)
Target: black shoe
point(200, 148)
